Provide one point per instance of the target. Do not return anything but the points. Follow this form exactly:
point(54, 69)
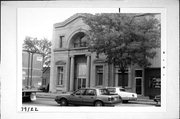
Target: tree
point(42, 46)
point(125, 39)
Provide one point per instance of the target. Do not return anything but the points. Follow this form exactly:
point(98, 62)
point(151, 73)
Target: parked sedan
point(89, 96)
point(126, 96)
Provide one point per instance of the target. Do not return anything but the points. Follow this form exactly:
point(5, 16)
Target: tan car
point(89, 96)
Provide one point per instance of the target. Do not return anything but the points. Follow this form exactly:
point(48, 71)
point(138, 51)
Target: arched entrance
point(79, 40)
point(80, 61)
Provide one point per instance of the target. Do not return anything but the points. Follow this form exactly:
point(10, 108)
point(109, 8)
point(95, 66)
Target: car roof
point(116, 87)
point(93, 88)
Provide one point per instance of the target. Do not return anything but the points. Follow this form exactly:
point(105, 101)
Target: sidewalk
point(140, 100)
point(144, 100)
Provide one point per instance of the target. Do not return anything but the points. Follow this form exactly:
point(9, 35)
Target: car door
point(89, 97)
point(76, 97)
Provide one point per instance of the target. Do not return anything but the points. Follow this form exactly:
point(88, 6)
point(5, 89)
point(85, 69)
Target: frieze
point(100, 61)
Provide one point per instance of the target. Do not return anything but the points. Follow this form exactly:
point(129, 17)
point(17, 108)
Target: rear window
point(122, 89)
point(104, 92)
point(112, 90)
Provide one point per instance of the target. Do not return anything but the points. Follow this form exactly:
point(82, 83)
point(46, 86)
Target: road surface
point(50, 102)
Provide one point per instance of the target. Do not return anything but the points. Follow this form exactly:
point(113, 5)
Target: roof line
point(69, 20)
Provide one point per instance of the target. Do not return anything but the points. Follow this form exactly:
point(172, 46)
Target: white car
point(126, 96)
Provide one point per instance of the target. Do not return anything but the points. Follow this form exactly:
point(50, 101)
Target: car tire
point(125, 101)
point(32, 97)
point(63, 102)
point(120, 99)
point(98, 103)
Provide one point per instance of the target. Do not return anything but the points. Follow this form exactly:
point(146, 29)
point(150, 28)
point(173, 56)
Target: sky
point(38, 22)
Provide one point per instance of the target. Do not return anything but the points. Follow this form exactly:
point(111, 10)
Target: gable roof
point(69, 20)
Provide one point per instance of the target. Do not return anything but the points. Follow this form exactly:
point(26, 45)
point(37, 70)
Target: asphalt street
point(50, 102)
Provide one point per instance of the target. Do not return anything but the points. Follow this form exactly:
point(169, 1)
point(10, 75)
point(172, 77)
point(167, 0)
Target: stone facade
point(73, 66)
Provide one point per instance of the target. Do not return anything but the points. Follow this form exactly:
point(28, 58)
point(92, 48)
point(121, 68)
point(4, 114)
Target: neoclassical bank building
point(74, 67)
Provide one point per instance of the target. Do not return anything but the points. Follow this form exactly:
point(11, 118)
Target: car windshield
point(104, 92)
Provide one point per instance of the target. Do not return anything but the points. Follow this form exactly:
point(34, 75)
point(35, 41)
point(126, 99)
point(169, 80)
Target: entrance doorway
point(81, 72)
point(139, 81)
point(81, 83)
point(139, 86)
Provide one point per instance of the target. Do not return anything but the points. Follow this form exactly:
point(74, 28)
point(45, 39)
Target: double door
point(81, 74)
point(80, 83)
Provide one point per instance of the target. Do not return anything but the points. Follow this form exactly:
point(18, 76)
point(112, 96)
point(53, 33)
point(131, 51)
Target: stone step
point(142, 97)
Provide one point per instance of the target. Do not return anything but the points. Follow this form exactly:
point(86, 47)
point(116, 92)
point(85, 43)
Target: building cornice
point(69, 20)
point(71, 49)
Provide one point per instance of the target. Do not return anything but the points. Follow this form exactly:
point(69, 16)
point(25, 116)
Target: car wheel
point(63, 102)
point(98, 103)
point(32, 97)
point(125, 101)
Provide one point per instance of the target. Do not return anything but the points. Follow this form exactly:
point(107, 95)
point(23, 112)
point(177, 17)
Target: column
point(143, 82)
point(68, 75)
point(52, 82)
point(113, 75)
point(72, 74)
point(88, 71)
point(129, 77)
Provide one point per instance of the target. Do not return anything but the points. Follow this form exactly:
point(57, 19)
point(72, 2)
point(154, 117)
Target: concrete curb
point(143, 102)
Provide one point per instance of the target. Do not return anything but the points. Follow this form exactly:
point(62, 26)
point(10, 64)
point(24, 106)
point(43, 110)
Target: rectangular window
point(60, 75)
point(61, 40)
point(99, 75)
point(120, 80)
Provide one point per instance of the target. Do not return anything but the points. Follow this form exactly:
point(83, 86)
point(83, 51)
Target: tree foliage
point(125, 39)
point(42, 46)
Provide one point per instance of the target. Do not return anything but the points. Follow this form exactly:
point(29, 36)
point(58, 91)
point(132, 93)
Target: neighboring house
point(73, 66)
point(31, 69)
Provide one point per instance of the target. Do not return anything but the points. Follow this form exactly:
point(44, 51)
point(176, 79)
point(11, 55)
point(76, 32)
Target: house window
point(119, 77)
point(60, 75)
point(61, 39)
point(99, 75)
